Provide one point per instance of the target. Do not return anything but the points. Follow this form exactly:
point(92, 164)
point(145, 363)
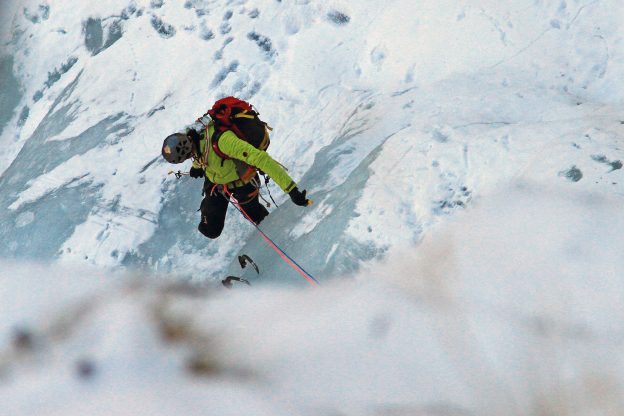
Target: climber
point(228, 152)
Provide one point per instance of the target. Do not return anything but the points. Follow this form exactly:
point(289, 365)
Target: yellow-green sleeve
point(239, 149)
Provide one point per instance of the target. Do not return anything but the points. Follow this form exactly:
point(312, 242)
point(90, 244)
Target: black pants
point(214, 207)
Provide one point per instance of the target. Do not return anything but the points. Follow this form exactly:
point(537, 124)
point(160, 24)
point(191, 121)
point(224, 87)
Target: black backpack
point(230, 113)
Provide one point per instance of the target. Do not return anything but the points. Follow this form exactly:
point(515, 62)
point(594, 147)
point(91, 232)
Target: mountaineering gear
point(287, 259)
point(228, 152)
point(299, 198)
point(196, 173)
point(244, 259)
point(177, 148)
point(224, 171)
point(232, 114)
point(193, 135)
point(227, 282)
point(214, 208)
point(177, 174)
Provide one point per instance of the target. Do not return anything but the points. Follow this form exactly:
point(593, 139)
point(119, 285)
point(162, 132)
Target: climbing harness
point(219, 188)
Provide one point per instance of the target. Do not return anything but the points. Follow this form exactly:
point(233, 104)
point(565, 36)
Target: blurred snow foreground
point(513, 307)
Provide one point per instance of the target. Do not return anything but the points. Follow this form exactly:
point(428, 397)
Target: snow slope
point(392, 115)
point(486, 317)
point(465, 158)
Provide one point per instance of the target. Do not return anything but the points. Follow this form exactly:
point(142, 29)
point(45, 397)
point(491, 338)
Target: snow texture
point(512, 307)
point(392, 124)
point(400, 118)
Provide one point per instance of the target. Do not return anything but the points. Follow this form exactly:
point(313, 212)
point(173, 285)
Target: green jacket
point(220, 171)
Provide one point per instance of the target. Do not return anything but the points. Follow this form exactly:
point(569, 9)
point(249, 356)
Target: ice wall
point(391, 123)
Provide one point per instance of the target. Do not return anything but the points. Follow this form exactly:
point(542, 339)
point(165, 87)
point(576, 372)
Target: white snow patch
point(511, 307)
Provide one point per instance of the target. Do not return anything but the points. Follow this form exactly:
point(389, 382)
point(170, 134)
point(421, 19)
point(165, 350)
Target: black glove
point(298, 197)
point(196, 173)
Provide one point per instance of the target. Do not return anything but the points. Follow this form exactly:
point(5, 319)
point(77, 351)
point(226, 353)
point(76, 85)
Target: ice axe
point(244, 259)
point(227, 282)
